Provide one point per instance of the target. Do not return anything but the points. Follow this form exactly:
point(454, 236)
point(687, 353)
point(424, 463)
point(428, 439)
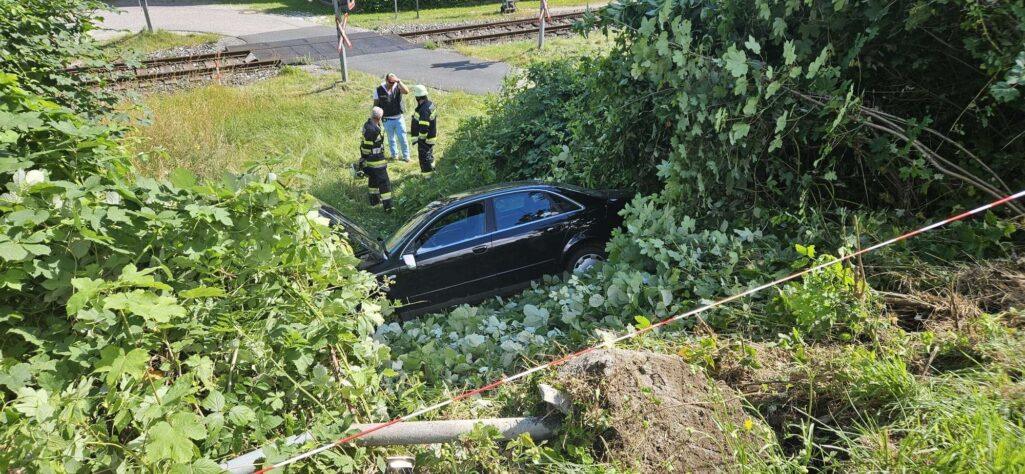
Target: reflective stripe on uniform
point(374, 191)
point(430, 141)
point(368, 142)
point(425, 123)
point(385, 195)
point(377, 164)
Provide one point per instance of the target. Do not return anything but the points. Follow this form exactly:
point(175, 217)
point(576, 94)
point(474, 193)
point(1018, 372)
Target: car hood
point(372, 246)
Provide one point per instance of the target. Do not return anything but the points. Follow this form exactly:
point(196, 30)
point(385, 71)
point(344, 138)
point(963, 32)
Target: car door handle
point(480, 249)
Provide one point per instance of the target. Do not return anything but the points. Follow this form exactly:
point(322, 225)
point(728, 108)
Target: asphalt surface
point(195, 16)
point(302, 39)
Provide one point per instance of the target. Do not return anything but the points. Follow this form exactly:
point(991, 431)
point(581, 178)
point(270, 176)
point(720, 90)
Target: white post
point(396, 4)
point(145, 12)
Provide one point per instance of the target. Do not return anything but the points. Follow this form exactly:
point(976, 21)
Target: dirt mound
point(660, 413)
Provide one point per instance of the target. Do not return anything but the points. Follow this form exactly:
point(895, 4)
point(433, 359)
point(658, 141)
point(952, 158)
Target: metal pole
point(145, 11)
point(417, 9)
point(396, 3)
point(341, 44)
point(541, 31)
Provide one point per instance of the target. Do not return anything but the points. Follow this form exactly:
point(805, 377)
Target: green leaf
point(34, 403)
point(12, 251)
point(182, 178)
point(736, 61)
point(160, 309)
point(753, 45)
point(164, 442)
point(214, 401)
point(789, 52)
point(115, 362)
point(189, 424)
point(202, 292)
point(642, 322)
point(241, 415)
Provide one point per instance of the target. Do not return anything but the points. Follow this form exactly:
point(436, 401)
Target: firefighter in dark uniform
point(425, 128)
point(372, 161)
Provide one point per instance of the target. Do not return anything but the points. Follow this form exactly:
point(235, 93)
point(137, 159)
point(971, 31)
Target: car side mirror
point(409, 260)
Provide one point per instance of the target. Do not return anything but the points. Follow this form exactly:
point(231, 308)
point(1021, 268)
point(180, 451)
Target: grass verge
point(485, 12)
point(298, 120)
point(145, 42)
point(520, 53)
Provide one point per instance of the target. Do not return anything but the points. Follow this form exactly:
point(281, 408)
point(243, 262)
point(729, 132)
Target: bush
point(158, 325)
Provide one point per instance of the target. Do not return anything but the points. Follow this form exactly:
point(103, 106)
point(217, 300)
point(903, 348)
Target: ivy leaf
point(736, 61)
point(115, 362)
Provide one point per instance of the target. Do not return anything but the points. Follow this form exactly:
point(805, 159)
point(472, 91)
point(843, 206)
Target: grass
point(485, 12)
point(145, 42)
point(521, 53)
point(407, 15)
point(295, 121)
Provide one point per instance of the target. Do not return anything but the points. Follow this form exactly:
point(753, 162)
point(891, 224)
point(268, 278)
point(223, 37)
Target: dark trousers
point(378, 186)
point(426, 153)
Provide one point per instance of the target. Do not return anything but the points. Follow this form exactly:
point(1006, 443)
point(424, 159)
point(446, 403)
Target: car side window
point(461, 224)
point(529, 206)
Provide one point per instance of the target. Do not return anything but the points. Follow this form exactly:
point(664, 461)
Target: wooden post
point(417, 9)
point(145, 12)
point(341, 44)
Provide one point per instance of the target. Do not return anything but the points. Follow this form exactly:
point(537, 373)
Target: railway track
point(494, 31)
point(178, 68)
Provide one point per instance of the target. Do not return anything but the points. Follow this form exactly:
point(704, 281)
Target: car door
point(530, 231)
point(451, 258)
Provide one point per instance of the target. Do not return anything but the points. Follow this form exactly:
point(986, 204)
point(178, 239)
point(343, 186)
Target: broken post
point(341, 42)
point(145, 12)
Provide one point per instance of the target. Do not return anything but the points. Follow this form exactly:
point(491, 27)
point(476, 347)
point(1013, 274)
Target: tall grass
point(298, 120)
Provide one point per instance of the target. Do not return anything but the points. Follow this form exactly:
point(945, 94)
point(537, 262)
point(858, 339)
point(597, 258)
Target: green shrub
point(152, 325)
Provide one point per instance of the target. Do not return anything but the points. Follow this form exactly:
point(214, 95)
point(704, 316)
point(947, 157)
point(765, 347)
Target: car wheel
point(585, 257)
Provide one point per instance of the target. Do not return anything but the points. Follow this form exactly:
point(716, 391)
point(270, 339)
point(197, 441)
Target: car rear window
point(521, 208)
point(459, 225)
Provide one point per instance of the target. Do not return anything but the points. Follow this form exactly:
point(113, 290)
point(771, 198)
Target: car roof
point(493, 189)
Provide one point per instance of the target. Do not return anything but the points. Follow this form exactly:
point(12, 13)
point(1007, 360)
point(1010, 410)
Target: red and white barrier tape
point(632, 334)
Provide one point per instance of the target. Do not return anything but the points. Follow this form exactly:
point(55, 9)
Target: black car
point(488, 242)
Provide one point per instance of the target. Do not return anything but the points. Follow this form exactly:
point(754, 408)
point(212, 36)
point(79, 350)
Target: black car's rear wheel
point(585, 257)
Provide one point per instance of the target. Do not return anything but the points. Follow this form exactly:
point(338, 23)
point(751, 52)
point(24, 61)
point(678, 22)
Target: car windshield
point(393, 242)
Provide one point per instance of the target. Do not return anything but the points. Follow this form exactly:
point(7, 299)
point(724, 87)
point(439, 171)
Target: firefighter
point(425, 128)
point(372, 161)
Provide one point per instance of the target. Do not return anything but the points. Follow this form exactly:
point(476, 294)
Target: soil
point(660, 413)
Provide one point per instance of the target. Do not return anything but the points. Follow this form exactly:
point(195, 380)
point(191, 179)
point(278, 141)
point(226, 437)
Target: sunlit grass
point(298, 120)
point(522, 52)
point(145, 42)
point(485, 12)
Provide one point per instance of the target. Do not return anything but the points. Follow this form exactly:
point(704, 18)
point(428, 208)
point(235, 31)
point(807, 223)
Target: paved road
point(196, 16)
point(272, 35)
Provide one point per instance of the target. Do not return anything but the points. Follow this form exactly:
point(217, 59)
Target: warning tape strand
point(637, 332)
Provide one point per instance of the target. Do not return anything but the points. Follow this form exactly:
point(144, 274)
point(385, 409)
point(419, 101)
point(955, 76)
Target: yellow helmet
point(419, 91)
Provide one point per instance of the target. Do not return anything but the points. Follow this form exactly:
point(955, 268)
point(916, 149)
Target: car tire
point(584, 257)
